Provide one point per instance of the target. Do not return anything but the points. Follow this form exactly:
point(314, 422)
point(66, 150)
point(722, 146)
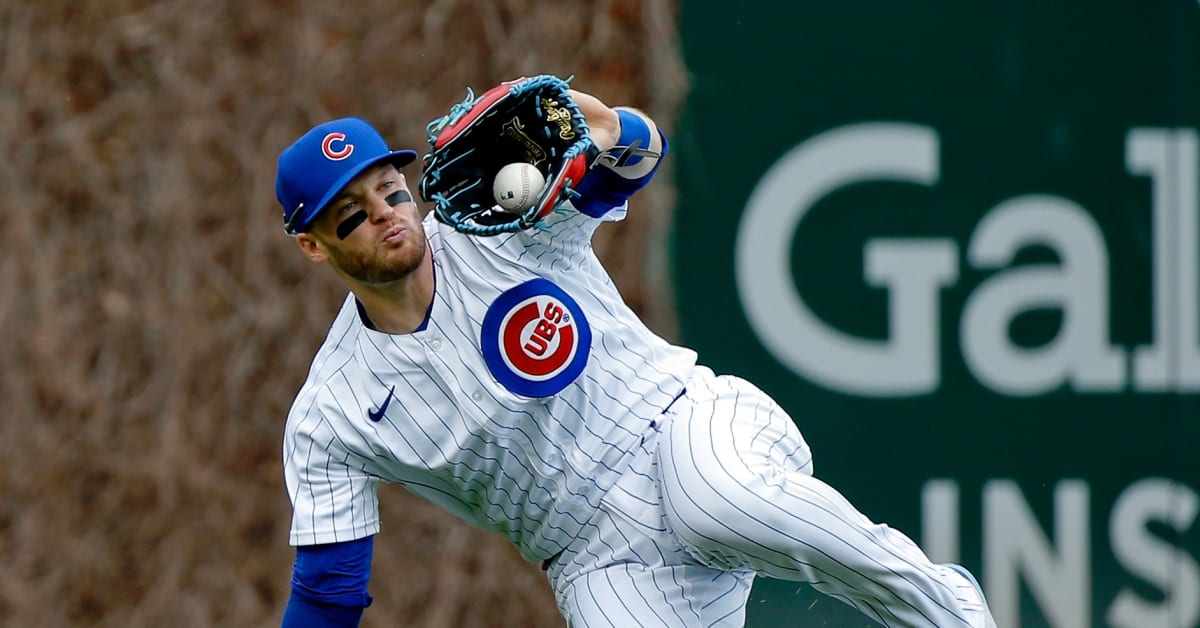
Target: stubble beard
point(374, 267)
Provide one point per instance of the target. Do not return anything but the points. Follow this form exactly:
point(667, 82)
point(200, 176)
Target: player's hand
point(602, 120)
point(532, 119)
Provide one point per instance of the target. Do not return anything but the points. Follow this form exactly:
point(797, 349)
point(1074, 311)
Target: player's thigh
point(684, 596)
point(732, 423)
point(726, 438)
point(728, 459)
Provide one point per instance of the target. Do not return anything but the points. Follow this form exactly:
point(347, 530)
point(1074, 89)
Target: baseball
point(517, 186)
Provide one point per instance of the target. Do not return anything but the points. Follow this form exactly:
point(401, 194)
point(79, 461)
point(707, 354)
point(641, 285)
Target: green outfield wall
point(958, 241)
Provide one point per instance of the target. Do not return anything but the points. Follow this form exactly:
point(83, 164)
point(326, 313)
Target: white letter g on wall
point(905, 363)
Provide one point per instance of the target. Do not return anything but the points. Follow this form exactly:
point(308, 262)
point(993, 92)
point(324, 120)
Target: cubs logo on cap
point(335, 146)
point(535, 339)
point(314, 169)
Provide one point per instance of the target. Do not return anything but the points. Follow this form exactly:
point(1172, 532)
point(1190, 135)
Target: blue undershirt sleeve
point(329, 584)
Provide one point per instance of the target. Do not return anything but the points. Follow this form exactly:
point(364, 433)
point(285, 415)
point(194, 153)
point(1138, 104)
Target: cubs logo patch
point(535, 339)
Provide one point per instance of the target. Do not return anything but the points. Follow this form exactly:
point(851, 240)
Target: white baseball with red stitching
point(517, 186)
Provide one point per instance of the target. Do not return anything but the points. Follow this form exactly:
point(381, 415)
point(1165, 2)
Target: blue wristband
point(605, 188)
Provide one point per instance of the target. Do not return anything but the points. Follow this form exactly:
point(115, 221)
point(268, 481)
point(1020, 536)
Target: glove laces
point(457, 111)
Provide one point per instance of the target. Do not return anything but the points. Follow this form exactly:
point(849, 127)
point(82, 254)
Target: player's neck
point(398, 307)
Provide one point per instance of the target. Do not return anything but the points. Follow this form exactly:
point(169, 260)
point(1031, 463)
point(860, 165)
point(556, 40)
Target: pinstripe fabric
point(738, 489)
point(655, 518)
point(723, 493)
point(531, 468)
point(628, 568)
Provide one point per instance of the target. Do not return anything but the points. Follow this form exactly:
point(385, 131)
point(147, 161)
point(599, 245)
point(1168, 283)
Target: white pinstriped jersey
point(515, 408)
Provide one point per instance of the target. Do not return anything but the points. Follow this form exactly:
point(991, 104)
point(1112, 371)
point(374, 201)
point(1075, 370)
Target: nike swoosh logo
point(376, 415)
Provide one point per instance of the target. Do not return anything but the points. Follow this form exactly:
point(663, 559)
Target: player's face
point(372, 232)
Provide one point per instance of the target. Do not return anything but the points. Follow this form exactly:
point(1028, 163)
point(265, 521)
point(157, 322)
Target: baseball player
point(503, 377)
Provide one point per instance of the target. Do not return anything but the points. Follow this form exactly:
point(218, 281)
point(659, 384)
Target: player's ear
point(311, 247)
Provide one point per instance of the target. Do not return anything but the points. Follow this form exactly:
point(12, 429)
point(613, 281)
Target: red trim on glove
point(482, 105)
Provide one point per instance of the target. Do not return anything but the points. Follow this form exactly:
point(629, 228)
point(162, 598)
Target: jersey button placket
point(434, 346)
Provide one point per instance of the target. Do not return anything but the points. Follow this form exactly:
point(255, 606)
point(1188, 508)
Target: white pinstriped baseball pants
point(722, 491)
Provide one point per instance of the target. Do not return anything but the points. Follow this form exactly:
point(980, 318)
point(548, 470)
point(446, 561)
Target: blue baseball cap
point(314, 169)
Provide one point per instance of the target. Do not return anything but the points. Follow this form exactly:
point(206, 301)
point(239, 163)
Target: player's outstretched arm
point(632, 146)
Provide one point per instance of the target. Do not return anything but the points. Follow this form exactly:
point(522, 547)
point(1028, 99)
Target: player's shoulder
point(342, 335)
point(335, 354)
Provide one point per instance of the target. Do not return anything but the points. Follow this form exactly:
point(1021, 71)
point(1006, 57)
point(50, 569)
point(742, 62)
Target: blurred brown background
point(157, 321)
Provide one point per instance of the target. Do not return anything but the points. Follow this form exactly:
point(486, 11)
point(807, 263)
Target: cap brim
point(398, 158)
